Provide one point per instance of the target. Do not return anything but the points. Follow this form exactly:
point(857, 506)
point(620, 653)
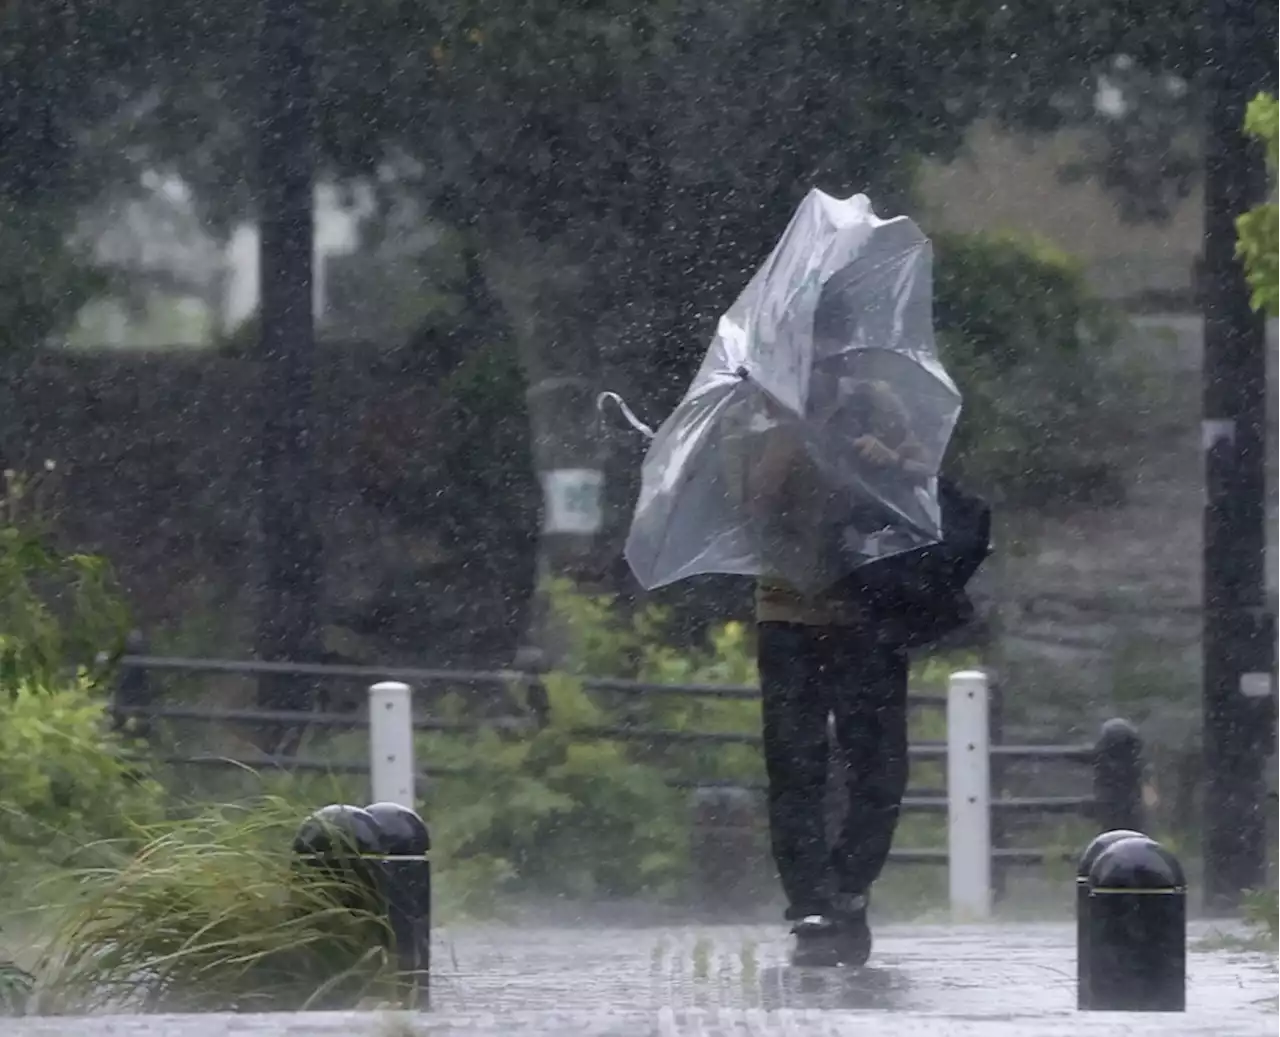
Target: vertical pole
point(405, 873)
point(391, 766)
point(1237, 726)
point(133, 687)
point(999, 826)
point(1117, 777)
point(288, 627)
point(969, 796)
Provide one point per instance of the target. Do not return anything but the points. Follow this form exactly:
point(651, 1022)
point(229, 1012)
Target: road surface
point(733, 981)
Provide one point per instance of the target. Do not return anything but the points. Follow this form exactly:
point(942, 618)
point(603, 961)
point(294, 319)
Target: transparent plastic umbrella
point(809, 441)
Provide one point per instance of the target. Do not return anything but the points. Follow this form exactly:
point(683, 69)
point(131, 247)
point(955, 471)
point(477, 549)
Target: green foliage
point(558, 810)
point(213, 913)
point(57, 610)
point(549, 811)
point(604, 643)
point(1028, 345)
point(1262, 914)
point(64, 780)
point(1257, 243)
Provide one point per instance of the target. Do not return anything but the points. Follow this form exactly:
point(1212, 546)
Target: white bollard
point(969, 796)
point(391, 767)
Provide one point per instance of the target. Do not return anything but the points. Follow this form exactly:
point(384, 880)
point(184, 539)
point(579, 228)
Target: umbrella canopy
point(809, 441)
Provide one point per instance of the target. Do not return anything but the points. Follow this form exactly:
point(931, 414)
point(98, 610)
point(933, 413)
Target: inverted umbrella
point(809, 441)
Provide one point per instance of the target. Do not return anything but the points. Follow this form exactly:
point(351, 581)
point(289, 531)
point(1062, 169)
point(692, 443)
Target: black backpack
point(917, 597)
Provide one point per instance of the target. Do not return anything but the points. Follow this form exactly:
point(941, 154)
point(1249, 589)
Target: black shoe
point(818, 942)
point(853, 933)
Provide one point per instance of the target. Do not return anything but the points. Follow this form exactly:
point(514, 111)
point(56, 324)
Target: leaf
point(1258, 240)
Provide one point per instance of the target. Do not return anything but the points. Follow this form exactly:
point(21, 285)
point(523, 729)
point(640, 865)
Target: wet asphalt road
point(718, 981)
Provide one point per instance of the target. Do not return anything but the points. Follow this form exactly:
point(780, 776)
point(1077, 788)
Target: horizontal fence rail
point(353, 722)
point(972, 754)
point(483, 678)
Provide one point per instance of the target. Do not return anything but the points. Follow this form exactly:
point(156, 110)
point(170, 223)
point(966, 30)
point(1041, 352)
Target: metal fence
point(974, 755)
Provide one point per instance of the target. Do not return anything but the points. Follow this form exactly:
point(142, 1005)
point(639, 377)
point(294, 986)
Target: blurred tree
point(665, 144)
point(44, 280)
point(93, 97)
point(1032, 433)
point(458, 424)
point(629, 164)
point(1142, 142)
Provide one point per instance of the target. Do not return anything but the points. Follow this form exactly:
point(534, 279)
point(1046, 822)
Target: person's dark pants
point(808, 674)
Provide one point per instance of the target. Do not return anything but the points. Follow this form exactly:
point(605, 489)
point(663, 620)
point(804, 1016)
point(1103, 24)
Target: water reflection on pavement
point(733, 981)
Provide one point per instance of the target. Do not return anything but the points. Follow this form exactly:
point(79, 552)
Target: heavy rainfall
point(673, 518)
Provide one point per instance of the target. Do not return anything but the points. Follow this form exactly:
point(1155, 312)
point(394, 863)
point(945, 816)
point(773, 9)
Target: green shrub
point(1261, 909)
point(547, 811)
point(1030, 347)
point(1257, 230)
point(552, 811)
point(603, 643)
point(58, 611)
point(64, 780)
point(67, 788)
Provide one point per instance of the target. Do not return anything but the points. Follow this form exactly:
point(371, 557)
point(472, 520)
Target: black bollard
point(1091, 853)
point(336, 840)
point(1117, 776)
point(405, 883)
point(1136, 929)
point(724, 850)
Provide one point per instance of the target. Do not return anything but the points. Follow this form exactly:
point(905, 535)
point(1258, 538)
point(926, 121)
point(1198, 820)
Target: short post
point(336, 841)
point(391, 765)
point(1136, 930)
point(725, 848)
point(378, 861)
point(405, 874)
point(133, 691)
point(1117, 777)
point(999, 821)
point(969, 796)
point(1085, 865)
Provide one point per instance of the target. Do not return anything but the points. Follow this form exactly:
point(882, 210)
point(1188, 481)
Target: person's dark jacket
point(918, 597)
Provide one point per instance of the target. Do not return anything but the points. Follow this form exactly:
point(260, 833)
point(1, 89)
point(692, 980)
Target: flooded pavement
point(733, 981)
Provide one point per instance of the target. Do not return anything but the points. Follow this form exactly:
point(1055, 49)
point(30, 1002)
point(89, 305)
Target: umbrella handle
point(627, 413)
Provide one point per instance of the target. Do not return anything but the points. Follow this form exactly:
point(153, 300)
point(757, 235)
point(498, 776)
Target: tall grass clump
point(214, 913)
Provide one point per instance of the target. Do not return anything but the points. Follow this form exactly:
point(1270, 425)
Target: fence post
point(1117, 777)
point(724, 850)
point(391, 767)
point(133, 688)
point(999, 821)
point(969, 796)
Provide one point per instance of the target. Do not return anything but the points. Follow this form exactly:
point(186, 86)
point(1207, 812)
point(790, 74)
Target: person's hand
point(874, 452)
point(779, 456)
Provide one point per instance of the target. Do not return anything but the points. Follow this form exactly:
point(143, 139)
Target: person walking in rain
point(806, 454)
point(830, 661)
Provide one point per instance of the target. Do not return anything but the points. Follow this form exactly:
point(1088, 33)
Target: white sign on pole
point(573, 499)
